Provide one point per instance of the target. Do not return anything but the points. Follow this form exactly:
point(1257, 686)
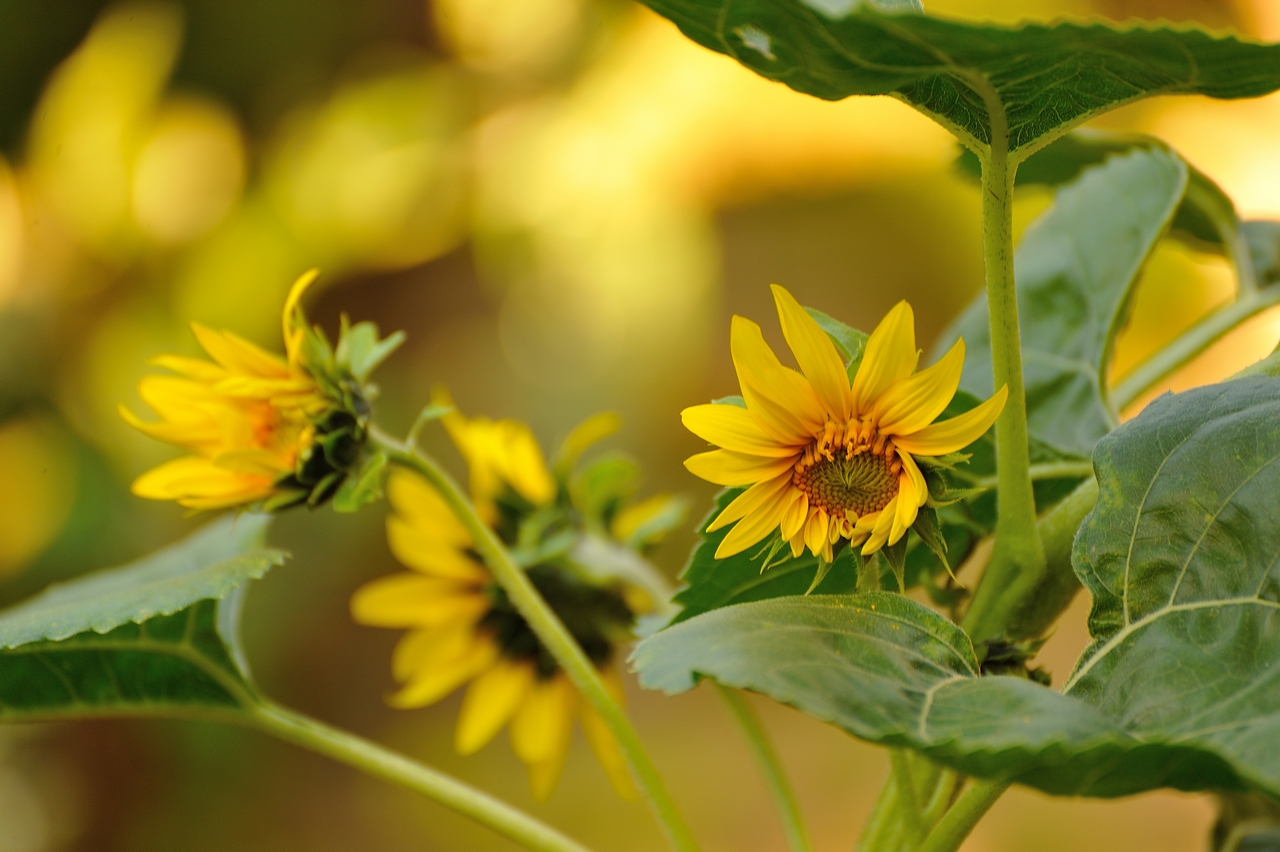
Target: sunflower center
point(862, 483)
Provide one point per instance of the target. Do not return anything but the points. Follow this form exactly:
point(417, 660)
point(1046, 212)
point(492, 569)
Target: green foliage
point(155, 637)
point(1076, 270)
point(364, 486)
point(1046, 79)
point(1180, 557)
point(850, 342)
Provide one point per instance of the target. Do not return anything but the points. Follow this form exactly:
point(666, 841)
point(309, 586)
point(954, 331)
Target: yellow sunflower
point(826, 458)
point(245, 417)
point(463, 630)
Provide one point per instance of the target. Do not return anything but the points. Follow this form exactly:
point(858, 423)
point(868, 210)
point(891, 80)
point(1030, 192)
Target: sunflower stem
point(382, 763)
point(784, 798)
point(959, 820)
point(551, 632)
point(1017, 545)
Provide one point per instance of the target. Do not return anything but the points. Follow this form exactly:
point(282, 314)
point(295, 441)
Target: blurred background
point(562, 202)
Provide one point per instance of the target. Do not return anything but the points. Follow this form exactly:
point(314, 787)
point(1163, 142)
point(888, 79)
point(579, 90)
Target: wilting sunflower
point(825, 458)
point(462, 629)
point(260, 428)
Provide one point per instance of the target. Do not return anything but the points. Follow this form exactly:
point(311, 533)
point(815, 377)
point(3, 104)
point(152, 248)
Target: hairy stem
point(1026, 605)
point(780, 791)
point(552, 633)
point(908, 800)
point(881, 820)
point(383, 763)
point(1017, 544)
point(957, 822)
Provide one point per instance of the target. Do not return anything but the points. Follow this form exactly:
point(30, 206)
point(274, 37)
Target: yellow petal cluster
point(450, 609)
point(244, 416)
point(826, 458)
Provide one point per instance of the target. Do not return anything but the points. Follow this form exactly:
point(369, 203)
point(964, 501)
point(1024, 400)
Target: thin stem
point(383, 763)
point(881, 819)
point(957, 822)
point(1190, 344)
point(1017, 544)
point(909, 801)
point(944, 789)
point(1044, 470)
point(552, 633)
point(775, 778)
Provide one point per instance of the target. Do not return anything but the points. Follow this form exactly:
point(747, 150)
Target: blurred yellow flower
point(503, 456)
point(826, 458)
point(462, 629)
point(247, 417)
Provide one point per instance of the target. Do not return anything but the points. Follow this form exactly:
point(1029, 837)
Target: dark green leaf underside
point(1048, 78)
point(151, 638)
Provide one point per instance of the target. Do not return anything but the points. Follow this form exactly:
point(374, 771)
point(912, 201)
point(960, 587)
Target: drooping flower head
point(829, 458)
point(462, 629)
point(261, 429)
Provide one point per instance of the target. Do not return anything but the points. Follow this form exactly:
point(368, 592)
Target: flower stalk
point(551, 632)
point(397, 769)
point(784, 798)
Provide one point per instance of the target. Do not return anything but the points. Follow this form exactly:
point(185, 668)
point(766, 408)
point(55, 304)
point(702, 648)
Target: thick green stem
point(382, 763)
point(1028, 603)
point(957, 822)
point(552, 633)
point(1190, 344)
point(944, 788)
point(775, 778)
point(908, 799)
point(881, 820)
point(1017, 545)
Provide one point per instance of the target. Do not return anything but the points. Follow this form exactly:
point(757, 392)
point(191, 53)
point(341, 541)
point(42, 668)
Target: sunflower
point(260, 429)
point(462, 629)
point(826, 458)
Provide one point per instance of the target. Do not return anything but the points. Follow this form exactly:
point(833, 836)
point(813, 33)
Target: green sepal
point(325, 489)
point(730, 400)
point(363, 486)
point(895, 556)
point(360, 352)
point(928, 528)
point(602, 486)
point(667, 518)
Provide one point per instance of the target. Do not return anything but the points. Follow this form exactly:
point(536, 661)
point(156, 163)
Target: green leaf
point(1046, 79)
point(360, 351)
point(1076, 268)
point(603, 485)
point(1180, 555)
point(363, 486)
point(890, 671)
point(148, 638)
point(711, 583)
point(850, 342)
point(1263, 239)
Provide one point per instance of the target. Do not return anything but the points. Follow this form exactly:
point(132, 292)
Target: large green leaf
point(1046, 79)
point(1076, 268)
point(1182, 556)
point(888, 670)
point(155, 637)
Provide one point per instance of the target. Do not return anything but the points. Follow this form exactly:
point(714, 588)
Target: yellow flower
point(246, 417)
point(503, 456)
point(826, 458)
point(462, 630)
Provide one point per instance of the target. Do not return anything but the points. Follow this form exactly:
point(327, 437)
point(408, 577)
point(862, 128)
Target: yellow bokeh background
point(562, 202)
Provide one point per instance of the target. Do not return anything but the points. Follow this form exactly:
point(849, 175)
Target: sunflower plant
point(898, 532)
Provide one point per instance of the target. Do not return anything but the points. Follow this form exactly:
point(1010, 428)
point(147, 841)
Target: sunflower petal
point(911, 404)
point(602, 742)
point(724, 467)
point(880, 530)
point(781, 400)
point(733, 428)
point(938, 439)
point(906, 509)
point(540, 728)
point(755, 526)
point(749, 500)
point(890, 356)
point(491, 701)
point(794, 516)
point(412, 600)
point(431, 683)
point(815, 353)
